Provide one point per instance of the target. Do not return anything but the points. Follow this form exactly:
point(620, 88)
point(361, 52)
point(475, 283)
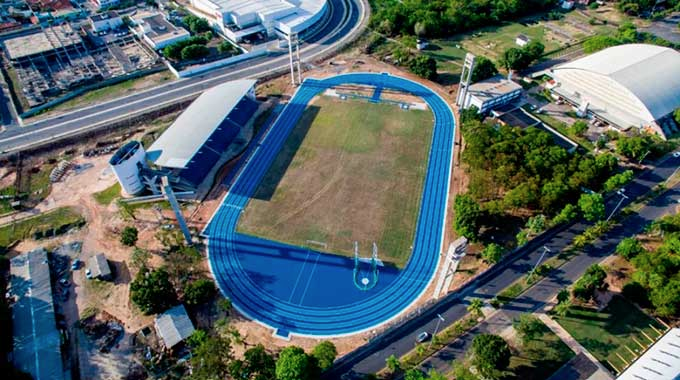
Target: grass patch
point(540, 357)
point(106, 196)
point(55, 221)
point(350, 171)
point(612, 332)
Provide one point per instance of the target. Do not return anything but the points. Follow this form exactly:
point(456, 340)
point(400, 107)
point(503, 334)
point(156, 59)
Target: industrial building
point(37, 342)
point(189, 150)
point(660, 361)
point(173, 326)
point(635, 85)
point(239, 19)
point(156, 31)
point(491, 93)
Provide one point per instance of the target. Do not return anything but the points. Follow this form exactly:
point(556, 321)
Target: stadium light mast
point(293, 38)
point(465, 79)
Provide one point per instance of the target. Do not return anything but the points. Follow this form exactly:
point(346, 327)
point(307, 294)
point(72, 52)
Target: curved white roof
point(647, 74)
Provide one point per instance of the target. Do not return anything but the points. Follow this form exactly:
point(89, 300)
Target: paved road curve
point(346, 20)
point(371, 358)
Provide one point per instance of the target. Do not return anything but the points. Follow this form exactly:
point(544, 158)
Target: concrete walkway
point(574, 345)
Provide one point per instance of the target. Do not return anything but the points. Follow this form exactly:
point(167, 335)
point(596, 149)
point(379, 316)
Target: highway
point(345, 22)
point(371, 357)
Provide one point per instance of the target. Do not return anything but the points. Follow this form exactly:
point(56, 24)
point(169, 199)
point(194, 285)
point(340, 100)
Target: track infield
point(351, 170)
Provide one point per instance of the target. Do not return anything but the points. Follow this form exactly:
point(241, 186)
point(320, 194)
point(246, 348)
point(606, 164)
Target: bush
point(424, 66)
point(199, 292)
point(492, 253)
point(226, 47)
point(129, 236)
point(579, 127)
point(591, 281)
point(628, 248)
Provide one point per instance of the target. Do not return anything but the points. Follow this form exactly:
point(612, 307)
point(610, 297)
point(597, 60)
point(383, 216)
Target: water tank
point(126, 164)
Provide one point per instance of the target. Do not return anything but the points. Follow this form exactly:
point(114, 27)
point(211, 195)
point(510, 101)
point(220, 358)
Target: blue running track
point(295, 290)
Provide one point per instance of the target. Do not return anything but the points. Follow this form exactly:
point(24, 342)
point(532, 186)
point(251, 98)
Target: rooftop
point(661, 361)
point(178, 144)
point(99, 266)
point(492, 88)
point(288, 12)
point(174, 326)
point(37, 344)
point(159, 28)
point(104, 16)
point(51, 38)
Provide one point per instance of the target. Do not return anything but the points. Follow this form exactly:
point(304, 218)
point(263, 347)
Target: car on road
point(423, 337)
point(676, 154)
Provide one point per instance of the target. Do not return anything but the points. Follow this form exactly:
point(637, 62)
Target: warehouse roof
point(179, 143)
point(661, 361)
point(37, 344)
point(649, 73)
point(174, 326)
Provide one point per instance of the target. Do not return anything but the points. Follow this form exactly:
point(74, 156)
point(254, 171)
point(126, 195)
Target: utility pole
point(623, 196)
point(440, 319)
point(545, 250)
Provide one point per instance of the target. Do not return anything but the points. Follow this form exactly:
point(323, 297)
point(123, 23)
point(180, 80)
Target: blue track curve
point(295, 290)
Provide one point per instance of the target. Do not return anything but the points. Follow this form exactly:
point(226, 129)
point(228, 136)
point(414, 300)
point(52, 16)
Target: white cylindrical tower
point(126, 164)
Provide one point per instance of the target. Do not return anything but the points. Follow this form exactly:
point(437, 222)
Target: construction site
point(60, 59)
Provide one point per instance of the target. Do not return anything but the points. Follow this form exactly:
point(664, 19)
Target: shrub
point(424, 66)
point(199, 292)
point(129, 236)
point(628, 248)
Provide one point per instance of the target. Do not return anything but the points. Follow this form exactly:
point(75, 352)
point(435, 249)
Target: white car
point(676, 154)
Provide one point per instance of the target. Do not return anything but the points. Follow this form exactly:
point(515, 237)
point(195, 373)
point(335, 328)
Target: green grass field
point(349, 171)
point(540, 357)
point(23, 229)
point(106, 196)
point(607, 333)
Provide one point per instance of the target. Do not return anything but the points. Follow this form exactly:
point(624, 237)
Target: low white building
point(661, 361)
point(103, 4)
point(491, 93)
point(522, 40)
point(156, 31)
point(239, 19)
point(102, 22)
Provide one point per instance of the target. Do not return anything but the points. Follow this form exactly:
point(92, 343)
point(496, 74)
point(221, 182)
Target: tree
point(592, 280)
point(197, 338)
point(533, 50)
point(563, 296)
point(592, 206)
point(393, 363)
point(257, 364)
point(618, 180)
point(567, 214)
point(522, 238)
point(196, 24)
point(414, 374)
point(579, 127)
point(211, 359)
point(536, 224)
point(598, 43)
point(492, 253)
point(475, 307)
point(527, 327)
point(199, 292)
point(293, 364)
point(666, 298)
point(420, 29)
point(514, 59)
point(152, 291)
point(469, 114)
point(139, 258)
point(325, 354)
point(484, 69)
point(192, 52)
point(634, 147)
point(129, 236)
point(467, 214)
point(226, 47)
point(628, 248)
point(490, 355)
point(562, 308)
point(424, 66)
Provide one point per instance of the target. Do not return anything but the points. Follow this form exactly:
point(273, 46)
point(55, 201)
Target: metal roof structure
point(492, 88)
point(634, 84)
point(659, 362)
point(173, 326)
point(37, 343)
point(99, 266)
point(179, 143)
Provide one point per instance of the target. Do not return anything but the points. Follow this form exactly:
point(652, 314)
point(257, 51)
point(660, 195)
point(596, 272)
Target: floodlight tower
point(170, 196)
point(294, 59)
point(465, 79)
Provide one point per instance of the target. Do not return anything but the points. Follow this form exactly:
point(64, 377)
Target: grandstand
point(191, 147)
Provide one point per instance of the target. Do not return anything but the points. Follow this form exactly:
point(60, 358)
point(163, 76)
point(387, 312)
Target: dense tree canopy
point(293, 364)
point(437, 18)
point(528, 327)
point(484, 69)
point(199, 291)
point(592, 206)
point(196, 24)
point(520, 58)
point(629, 247)
point(424, 66)
point(467, 214)
point(325, 353)
point(591, 281)
point(257, 364)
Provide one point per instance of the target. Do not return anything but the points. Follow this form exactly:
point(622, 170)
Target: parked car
point(88, 274)
point(422, 337)
point(75, 265)
point(676, 154)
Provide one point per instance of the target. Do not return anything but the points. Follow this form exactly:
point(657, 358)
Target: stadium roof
point(179, 143)
point(647, 74)
point(174, 326)
point(37, 344)
point(661, 361)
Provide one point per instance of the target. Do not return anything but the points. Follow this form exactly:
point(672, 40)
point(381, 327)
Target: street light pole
point(623, 196)
point(545, 250)
point(440, 319)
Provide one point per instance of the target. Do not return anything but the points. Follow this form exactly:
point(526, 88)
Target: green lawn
point(59, 218)
point(539, 358)
point(106, 196)
point(350, 171)
point(606, 334)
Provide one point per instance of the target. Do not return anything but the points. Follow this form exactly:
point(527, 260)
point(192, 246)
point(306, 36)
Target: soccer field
point(350, 171)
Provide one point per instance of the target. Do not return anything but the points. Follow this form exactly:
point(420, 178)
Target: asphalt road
point(346, 18)
point(371, 358)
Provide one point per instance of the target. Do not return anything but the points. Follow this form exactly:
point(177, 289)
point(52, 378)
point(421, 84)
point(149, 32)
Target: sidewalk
point(574, 345)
